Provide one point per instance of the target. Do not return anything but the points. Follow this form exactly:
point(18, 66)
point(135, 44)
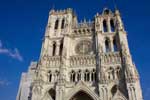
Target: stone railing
point(84, 24)
point(83, 31)
point(82, 60)
point(51, 60)
point(111, 58)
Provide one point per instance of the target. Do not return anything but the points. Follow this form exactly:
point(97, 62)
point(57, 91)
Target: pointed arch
point(115, 44)
point(117, 94)
point(105, 28)
point(81, 95)
point(56, 24)
point(112, 25)
point(93, 75)
point(54, 48)
point(79, 75)
point(106, 11)
point(50, 94)
point(107, 45)
point(87, 75)
point(114, 90)
point(72, 76)
point(63, 23)
point(47, 97)
point(81, 87)
point(61, 47)
point(50, 76)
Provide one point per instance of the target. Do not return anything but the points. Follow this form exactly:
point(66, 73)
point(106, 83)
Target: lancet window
point(61, 48)
point(54, 49)
point(107, 45)
point(50, 76)
point(105, 28)
point(63, 24)
point(112, 25)
point(56, 24)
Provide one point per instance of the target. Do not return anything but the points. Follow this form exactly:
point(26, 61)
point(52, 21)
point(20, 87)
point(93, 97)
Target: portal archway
point(81, 95)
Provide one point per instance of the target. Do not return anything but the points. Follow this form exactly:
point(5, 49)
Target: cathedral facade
point(89, 60)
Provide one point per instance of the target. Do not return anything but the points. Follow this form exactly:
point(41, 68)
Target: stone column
point(111, 45)
point(76, 75)
point(82, 76)
point(108, 25)
point(59, 26)
point(90, 79)
point(50, 48)
point(57, 48)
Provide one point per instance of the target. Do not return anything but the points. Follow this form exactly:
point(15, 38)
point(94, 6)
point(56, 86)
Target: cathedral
point(87, 60)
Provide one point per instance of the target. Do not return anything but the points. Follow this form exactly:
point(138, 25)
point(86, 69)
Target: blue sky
point(22, 26)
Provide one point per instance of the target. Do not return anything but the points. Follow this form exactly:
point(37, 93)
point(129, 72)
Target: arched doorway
point(52, 93)
point(81, 95)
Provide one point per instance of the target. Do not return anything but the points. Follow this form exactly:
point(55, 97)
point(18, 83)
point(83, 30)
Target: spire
point(52, 9)
point(53, 6)
point(115, 4)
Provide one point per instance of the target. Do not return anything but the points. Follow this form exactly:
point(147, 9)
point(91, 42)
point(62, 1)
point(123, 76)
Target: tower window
point(50, 76)
point(79, 76)
point(54, 48)
point(114, 90)
point(112, 25)
point(63, 24)
point(87, 75)
point(105, 29)
point(52, 93)
point(72, 78)
point(115, 45)
point(106, 11)
point(56, 24)
point(61, 48)
point(107, 45)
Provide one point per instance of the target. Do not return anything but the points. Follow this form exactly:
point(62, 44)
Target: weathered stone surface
point(90, 60)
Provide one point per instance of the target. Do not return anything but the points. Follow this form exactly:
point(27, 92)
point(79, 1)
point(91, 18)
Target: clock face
point(84, 47)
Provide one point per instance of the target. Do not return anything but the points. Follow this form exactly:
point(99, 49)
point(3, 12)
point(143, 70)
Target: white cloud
point(147, 92)
point(13, 54)
point(16, 55)
point(0, 43)
point(4, 83)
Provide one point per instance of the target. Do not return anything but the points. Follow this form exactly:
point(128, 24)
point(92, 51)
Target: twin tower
point(90, 60)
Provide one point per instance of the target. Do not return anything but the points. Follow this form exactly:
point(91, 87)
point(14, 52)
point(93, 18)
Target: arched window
point(72, 77)
point(56, 76)
point(56, 24)
point(54, 48)
point(107, 45)
point(81, 95)
point(111, 73)
point(118, 72)
point(105, 28)
point(93, 76)
point(57, 73)
point(114, 89)
point(115, 45)
point(112, 25)
point(63, 24)
point(79, 75)
point(52, 93)
point(86, 75)
point(61, 48)
point(50, 76)
point(106, 11)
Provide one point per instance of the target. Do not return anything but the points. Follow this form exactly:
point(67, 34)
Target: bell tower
point(59, 25)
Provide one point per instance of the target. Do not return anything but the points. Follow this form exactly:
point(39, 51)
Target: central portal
point(81, 96)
